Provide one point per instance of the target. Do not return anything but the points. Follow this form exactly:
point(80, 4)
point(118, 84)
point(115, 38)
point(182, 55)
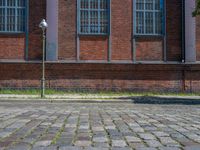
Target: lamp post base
point(42, 88)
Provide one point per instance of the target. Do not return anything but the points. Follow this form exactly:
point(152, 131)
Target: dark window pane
point(94, 16)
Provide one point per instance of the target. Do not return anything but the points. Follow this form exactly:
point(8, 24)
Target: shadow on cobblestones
point(165, 100)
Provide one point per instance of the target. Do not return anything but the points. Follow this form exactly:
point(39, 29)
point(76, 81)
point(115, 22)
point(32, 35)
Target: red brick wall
point(121, 29)
point(12, 46)
point(149, 49)
point(67, 30)
point(174, 23)
point(121, 35)
point(93, 48)
point(192, 81)
point(103, 77)
point(198, 37)
point(36, 14)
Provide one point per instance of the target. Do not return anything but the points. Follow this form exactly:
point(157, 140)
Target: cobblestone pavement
point(46, 126)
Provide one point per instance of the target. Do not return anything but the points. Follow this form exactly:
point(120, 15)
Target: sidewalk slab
point(187, 100)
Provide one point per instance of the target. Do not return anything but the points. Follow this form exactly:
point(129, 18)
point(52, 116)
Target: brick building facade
point(138, 45)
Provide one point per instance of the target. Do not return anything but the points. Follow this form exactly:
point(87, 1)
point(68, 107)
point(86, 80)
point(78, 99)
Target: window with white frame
point(12, 16)
point(93, 16)
point(148, 17)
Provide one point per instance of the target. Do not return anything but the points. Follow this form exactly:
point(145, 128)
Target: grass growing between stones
point(59, 133)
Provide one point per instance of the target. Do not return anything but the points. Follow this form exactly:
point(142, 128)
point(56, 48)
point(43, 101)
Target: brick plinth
point(103, 77)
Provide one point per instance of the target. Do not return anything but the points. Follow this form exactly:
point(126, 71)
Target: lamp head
point(43, 24)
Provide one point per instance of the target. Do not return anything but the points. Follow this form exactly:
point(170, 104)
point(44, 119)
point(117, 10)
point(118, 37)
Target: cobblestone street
point(66, 126)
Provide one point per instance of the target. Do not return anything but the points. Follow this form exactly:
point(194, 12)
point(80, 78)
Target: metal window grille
point(12, 16)
point(149, 17)
point(93, 16)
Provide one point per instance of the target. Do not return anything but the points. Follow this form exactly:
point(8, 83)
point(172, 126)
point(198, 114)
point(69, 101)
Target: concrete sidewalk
point(90, 98)
point(70, 98)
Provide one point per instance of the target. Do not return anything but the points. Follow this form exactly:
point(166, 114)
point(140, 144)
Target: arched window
point(93, 16)
point(12, 16)
point(148, 16)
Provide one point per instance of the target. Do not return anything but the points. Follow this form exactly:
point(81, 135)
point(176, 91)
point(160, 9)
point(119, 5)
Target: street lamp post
point(43, 25)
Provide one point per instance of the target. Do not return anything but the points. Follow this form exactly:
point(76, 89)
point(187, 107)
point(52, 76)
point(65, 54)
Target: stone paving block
point(146, 148)
point(118, 143)
point(169, 148)
point(46, 123)
point(187, 142)
point(83, 138)
point(116, 137)
point(20, 146)
point(64, 142)
point(167, 140)
point(70, 125)
point(159, 125)
point(83, 143)
point(4, 134)
point(42, 143)
point(95, 148)
point(133, 139)
point(114, 133)
point(138, 129)
point(86, 127)
point(99, 134)
point(100, 128)
point(24, 120)
point(100, 139)
point(57, 125)
point(160, 134)
point(147, 136)
point(130, 133)
point(117, 148)
point(101, 145)
point(194, 147)
point(44, 148)
point(7, 122)
point(86, 131)
point(153, 143)
point(70, 148)
point(110, 127)
point(134, 124)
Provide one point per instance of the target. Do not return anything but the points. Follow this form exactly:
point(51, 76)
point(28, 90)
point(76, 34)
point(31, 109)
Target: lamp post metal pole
point(43, 65)
point(43, 25)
